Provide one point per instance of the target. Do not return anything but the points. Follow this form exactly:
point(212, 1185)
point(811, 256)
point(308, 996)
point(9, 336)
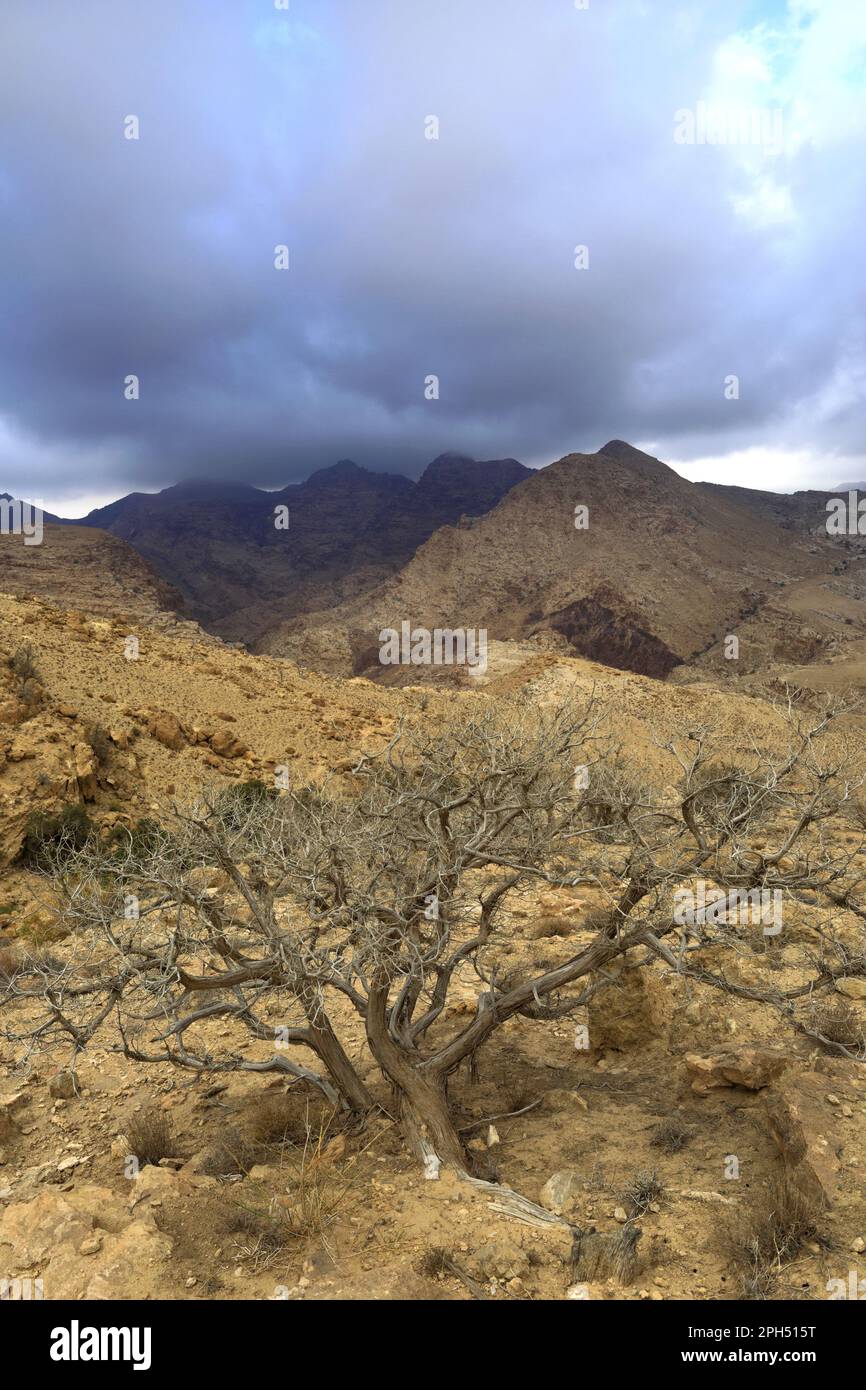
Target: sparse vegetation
point(784, 1217)
point(51, 838)
point(150, 1137)
point(232, 1153)
point(641, 1193)
point(381, 896)
point(600, 1255)
point(23, 665)
point(670, 1136)
point(272, 1120)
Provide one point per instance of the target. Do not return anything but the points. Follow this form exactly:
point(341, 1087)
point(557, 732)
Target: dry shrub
point(231, 1155)
point(10, 963)
point(670, 1136)
point(260, 1237)
point(642, 1191)
point(551, 926)
point(271, 1121)
point(838, 1022)
point(22, 664)
point(317, 1181)
point(150, 1137)
point(773, 1233)
point(274, 1120)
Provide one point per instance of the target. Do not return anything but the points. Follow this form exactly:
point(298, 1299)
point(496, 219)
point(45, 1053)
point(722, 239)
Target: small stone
point(852, 988)
point(91, 1245)
point(62, 1086)
point(858, 1245)
point(620, 1215)
point(833, 1100)
point(191, 1282)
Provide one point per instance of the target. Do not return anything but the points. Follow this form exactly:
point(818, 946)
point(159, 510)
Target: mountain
point(348, 528)
point(662, 572)
point(804, 512)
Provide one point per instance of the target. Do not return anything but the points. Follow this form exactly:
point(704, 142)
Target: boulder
point(62, 1086)
point(800, 1126)
point(750, 1067)
point(225, 745)
point(560, 1190)
point(167, 729)
point(633, 1007)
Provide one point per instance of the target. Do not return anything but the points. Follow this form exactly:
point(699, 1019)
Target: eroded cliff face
point(603, 628)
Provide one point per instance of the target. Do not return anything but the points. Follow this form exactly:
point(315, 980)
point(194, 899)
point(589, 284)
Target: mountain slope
point(348, 529)
point(661, 571)
point(87, 569)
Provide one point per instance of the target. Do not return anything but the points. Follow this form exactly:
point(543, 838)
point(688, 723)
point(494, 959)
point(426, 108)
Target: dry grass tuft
point(642, 1191)
point(773, 1233)
point(670, 1136)
point(150, 1137)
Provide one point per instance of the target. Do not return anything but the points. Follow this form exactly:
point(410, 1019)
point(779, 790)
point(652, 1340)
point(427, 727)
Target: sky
point(714, 318)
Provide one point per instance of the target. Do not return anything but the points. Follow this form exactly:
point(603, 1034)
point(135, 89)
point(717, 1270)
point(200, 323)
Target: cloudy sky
point(409, 257)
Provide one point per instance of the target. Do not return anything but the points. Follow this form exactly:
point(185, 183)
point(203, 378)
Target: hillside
point(265, 1193)
point(78, 566)
point(662, 571)
point(348, 528)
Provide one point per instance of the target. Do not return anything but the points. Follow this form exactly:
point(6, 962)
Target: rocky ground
point(663, 1142)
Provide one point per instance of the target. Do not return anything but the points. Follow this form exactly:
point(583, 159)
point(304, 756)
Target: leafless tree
point(395, 894)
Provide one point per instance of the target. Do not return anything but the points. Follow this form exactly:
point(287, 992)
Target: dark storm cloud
point(413, 257)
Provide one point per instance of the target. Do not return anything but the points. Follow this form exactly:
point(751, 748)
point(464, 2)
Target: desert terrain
point(693, 1130)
